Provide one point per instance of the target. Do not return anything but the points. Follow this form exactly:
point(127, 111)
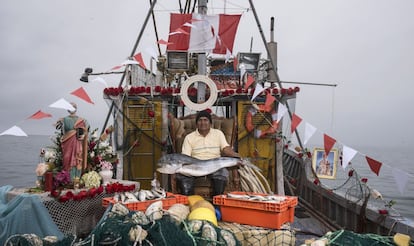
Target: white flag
point(259, 89)
point(309, 131)
point(401, 178)
point(281, 111)
point(14, 131)
point(347, 155)
point(62, 103)
point(100, 80)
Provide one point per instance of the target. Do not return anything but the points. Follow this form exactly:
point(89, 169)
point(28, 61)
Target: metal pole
point(132, 53)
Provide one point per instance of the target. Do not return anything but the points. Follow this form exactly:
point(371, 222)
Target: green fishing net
point(344, 237)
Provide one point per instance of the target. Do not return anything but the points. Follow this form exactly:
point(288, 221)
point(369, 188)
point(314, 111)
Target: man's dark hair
point(204, 113)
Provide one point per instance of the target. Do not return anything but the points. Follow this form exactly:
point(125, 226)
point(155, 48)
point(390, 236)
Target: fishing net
point(344, 237)
point(252, 235)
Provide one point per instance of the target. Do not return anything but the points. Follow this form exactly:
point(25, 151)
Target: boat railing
point(349, 204)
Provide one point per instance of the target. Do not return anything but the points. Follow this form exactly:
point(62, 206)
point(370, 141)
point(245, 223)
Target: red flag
point(163, 42)
point(81, 93)
point(374, 165)
point(328, 143)
point(269, 102)
point(39, 115)
point(138, 58)
point(249, 81)
point(214, 33)
point(295, 122)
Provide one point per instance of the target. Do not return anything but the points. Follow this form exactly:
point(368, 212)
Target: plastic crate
point(257, 213)
point(167, 202)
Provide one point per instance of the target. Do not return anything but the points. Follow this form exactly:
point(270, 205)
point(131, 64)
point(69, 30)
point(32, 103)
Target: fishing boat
point(152, 110)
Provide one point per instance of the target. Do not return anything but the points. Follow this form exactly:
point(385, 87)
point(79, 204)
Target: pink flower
point(106, 165)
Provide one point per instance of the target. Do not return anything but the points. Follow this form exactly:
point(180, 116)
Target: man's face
point(203, 124)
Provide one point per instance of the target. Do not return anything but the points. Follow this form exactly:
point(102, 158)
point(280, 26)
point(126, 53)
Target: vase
point(106, 175)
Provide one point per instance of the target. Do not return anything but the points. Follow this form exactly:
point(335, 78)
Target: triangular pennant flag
point(401, 178)
point(309, 131)
point(228, 56)
point(62, 103)
point(81, 93)
point(14, 131)
point(259, 89)
point(295, 122)
point(163, 42)
point(347, 155)
point(39, 115)
point(328, 143)
point(130, 62)
point(152, 52)
point(242, 71)
point(100, 80)
point(270, 99)
point(281, 111)
point(374, 165)
point(116, 67)
point(249, 81)
point(138, 58)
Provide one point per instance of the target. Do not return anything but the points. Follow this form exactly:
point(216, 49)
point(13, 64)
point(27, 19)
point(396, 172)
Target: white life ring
point(199, 106)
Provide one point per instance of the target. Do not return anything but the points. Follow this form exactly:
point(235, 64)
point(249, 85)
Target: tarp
point(23, 214)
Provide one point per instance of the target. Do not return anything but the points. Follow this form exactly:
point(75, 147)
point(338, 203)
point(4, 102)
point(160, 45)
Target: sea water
point(19, 157)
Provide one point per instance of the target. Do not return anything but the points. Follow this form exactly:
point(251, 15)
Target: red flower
point(148, 90)
point(64, 198)
point(69, 194)
point(364, 180)
point(100, 189)
point(151, 113)
point(309, 154)
point(350, 173)
point(296, 89)
point(275, 91)
point(300, 155)
point(383, 211)
point(157, 88)
point(55, 193)
point(316, 181)
point(92, 192)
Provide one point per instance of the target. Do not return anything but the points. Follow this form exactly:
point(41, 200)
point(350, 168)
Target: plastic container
point(167, 202)
point(256, 213)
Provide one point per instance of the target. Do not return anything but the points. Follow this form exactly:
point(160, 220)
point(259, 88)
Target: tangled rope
point(253, 181)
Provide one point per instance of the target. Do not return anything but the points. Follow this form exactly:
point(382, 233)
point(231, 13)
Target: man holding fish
point(206, 143)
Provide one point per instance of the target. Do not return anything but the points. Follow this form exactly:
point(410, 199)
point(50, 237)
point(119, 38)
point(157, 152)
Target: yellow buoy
point(193, 199)
point(203, 214)
point(402, 239)
point(203, 204)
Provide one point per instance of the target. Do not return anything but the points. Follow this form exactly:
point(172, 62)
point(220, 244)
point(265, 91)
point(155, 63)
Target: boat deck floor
point(306, 227)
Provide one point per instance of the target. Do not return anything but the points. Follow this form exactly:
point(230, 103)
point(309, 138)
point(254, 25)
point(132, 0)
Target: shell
point(178, 212)
point(194, 226)
point(154, 211)
point(137, 234)
point(209, 232)
point(227, 237)
point(139, 217)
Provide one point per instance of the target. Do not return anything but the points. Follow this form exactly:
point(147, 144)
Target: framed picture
point(325, 166)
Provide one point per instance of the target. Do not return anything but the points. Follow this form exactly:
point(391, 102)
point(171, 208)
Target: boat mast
point(202, 60)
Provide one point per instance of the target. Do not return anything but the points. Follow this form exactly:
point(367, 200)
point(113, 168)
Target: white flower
point(108, 150)
point(50, 155)
point(91, 179)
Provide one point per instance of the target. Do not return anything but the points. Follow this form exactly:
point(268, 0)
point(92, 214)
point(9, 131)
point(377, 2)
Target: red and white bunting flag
point(207, 33)
point(259, 89)
point(281, 111)
point(309, 131)
point(63, 104)
point(347, 155)
point(249, 81)
point(163, 42)
point(401, 178)
point(270, 99)
point(138, 58)
point(81, 93)
point(39, 115)
point(14, 131)
point(328, 143)
point(374, 165)
point(295, 122)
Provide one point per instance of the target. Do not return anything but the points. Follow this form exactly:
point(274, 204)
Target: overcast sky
point(365, 47)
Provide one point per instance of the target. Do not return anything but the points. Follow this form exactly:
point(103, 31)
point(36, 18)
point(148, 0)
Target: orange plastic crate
point(167, 202)
point(257, 213)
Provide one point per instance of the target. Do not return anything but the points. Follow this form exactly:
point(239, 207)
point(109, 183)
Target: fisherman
point(206, 143)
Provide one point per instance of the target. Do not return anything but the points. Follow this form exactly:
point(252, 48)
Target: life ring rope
point(199, 106)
